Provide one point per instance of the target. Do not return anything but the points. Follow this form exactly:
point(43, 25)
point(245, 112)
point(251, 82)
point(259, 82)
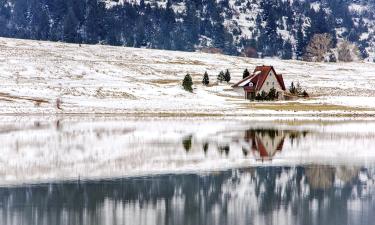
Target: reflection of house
point(265, 143)
point(264, 78)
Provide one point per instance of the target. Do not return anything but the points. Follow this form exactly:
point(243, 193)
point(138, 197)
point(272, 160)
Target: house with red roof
point(264, 78)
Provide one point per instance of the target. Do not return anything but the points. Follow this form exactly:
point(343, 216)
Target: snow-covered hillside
point(35, 75)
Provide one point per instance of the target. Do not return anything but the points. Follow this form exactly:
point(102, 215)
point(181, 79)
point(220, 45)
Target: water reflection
point(40, 150)
point(265, 143)
point(260, 195)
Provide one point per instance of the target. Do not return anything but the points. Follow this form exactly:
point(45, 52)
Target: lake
point(123, 170)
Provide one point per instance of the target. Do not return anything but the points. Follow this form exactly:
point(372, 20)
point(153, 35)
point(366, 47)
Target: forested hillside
point(254, 28)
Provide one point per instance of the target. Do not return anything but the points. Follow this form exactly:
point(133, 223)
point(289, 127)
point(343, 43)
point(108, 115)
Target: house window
point(251, 84)
point(268, 83)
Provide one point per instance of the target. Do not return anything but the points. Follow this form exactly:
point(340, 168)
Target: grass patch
point(302, 107)
point(165, 81)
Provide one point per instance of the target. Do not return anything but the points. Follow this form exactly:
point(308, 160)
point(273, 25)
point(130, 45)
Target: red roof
point(259, 76)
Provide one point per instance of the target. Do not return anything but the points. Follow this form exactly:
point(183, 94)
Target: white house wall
point(272, 83)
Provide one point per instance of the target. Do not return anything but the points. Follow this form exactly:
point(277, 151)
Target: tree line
point(200, 25)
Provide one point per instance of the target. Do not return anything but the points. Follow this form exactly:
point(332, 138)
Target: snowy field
point(105, 79)
point(38, 149)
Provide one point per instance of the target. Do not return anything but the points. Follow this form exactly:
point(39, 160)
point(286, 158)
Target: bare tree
point(250, 52)
point(347, 52)
point(318, 47)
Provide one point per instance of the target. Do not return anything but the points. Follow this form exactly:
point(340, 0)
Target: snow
point(105, 79)
point(358, 8)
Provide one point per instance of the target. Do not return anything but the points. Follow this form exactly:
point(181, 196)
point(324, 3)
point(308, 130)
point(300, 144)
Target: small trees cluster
point(270, 96)
point(221, 77)
point(187, 82)
point(297, 90)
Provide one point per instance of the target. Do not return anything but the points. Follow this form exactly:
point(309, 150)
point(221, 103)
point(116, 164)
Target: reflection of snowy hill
point(35, 149)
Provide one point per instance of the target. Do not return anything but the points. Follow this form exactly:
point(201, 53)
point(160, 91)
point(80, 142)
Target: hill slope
point(104, 79)
point(276, 28)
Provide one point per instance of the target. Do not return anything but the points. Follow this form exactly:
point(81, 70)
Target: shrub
point(272, 95)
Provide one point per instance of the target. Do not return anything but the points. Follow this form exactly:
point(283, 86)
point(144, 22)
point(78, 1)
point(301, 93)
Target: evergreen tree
point(300, 43)
point(227, 76)
point(187, 83)
point(292, 88)
point(221, 77)
point(39, 21)
point(287, 52)
point(70, 27)
point(20, 18)
point(206, 79)
point(91, 22)
point(245, 74)
point(4, 18)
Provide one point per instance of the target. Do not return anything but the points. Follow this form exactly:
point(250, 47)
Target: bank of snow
point(105, 79)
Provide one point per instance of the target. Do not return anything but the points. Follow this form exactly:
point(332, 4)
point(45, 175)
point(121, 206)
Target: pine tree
point(227, 76)
point(287, 52)
point(246, 73)
point(39, 21)
point(292, 88)
point(206, 79)
point(298, 89)
point(221, 77)
point(70, 26)
point(187, 83)
point(300, 43)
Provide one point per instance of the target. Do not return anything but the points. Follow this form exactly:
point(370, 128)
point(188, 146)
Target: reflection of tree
point(186, 142)
point(205, 147)
point(192, 199)
point(346, 174)
point(224, 149)
point(320, 177)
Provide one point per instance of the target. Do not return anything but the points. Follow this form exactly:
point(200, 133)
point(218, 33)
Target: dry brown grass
point(301, 107)
point(165, 81)
point(8, 97)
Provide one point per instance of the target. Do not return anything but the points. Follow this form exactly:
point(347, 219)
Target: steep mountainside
point(257, 28)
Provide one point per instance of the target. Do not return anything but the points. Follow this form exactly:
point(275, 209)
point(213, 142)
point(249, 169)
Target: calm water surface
point(186, 171)
point(259, 195)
